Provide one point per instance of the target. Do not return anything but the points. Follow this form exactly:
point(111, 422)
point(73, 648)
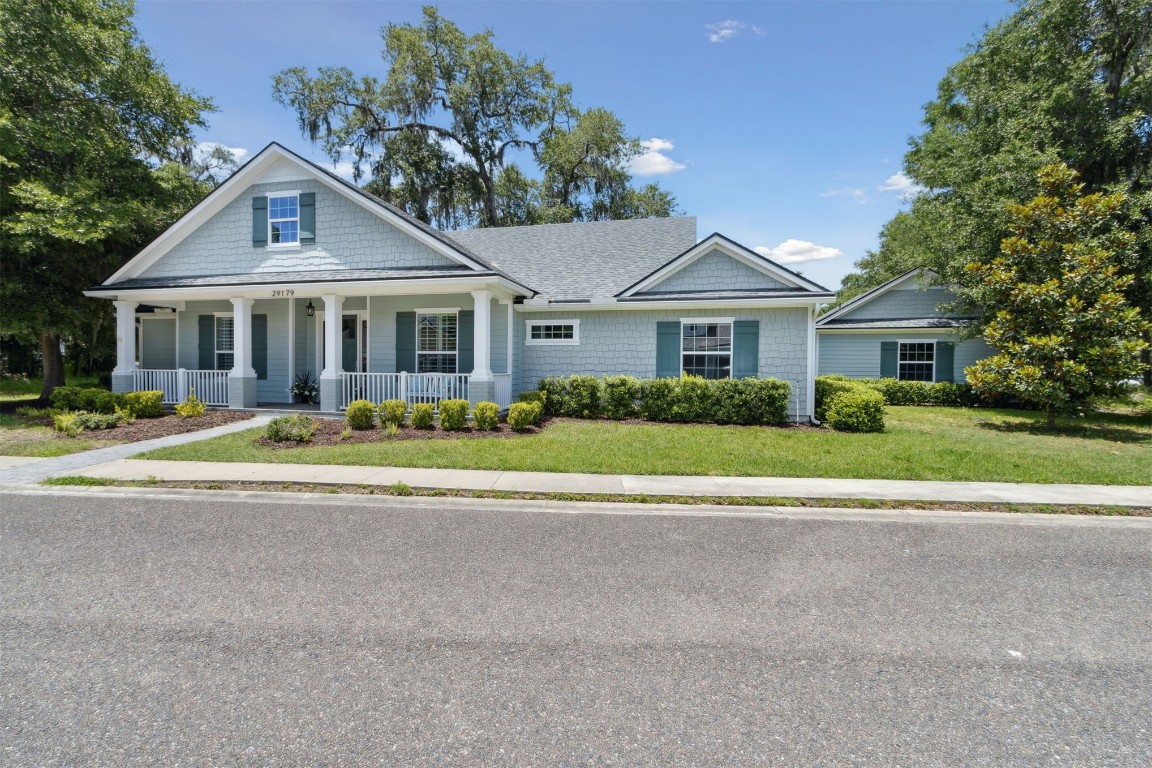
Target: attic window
point(284, 220)
point(553, 332)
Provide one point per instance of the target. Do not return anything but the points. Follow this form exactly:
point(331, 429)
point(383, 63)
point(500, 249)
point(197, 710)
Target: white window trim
point(216, 351)
point(932, 341)
point(531, 342)
point(286, 193)
point(441, 311)
point(731, 321)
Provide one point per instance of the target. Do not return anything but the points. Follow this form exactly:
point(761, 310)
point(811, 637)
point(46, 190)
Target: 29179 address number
point(280, 294)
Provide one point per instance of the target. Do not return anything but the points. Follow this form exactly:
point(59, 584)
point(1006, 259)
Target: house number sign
point(279, 294)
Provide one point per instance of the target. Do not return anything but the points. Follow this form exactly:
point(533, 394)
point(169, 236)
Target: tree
point(1058, 81)
point(88, 123)
point(1060, 322)
point(439, 131)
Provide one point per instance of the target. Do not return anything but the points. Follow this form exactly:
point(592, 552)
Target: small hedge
point(393, 412)
point(422, 415)
point(897, 392)
point(145, 405)
point(453, 414)
point(90, 399)
point(687, 399)
point(360, 414)
point(523, 415)
point(486, 416)
point(296, 428)
point(858, 410)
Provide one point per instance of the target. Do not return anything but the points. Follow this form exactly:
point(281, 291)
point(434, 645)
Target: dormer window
point(283, 220)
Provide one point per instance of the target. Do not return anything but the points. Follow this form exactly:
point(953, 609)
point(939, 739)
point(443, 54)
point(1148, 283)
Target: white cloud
point(855, 193)
point(653, 162)
point(793, 251)
point(900, 183)
point(721, 31)
point(238, 153)
point(343, 169)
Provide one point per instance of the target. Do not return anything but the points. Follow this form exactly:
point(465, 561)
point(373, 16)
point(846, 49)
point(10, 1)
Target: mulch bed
point(328, 432)
point(147, 429)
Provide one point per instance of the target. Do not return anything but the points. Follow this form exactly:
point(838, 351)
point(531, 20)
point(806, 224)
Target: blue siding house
point(286, 269)
point(898, 330)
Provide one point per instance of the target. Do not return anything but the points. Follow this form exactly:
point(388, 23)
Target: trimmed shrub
point(523, 415)
point(952, 394)
point(533, 396)
point(692, 400)
point(577, 396)
point(657, 397)
point(192, 407)
point(453, 414)
point(90, 399)
point(827, 387)
point(65, 398)
point(898, 392)
point(68, 423)
point(486, 416)
point(295, 428)
point(750, 401)
point(620, 396)
point(859, 410)
point(393, 412)
point(87, 420)
point(422, 415)
point(360, 414)
point(145, 405)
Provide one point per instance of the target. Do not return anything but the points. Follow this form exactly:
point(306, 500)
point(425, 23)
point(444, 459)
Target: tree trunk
point(1051, 418)
point(53, 363)
point(1146, 359)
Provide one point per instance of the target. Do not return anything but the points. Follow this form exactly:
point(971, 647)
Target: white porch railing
point(210, 386)
point(503, 389)
point(412, 388)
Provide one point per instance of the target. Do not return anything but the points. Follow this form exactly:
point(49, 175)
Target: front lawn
point(920, 444)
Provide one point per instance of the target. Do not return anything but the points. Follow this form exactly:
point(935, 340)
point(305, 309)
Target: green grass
point(19, 437)
point(29, 389)
point(920, 444)
point(77, 480)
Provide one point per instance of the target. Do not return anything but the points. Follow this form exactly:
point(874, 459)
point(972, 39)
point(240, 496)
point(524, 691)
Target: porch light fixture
point(311, 309)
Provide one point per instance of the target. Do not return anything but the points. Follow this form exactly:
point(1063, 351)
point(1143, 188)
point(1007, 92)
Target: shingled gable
point(276, 163)
point(781, 281)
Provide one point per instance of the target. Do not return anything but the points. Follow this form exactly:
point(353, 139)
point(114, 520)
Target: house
point(285, 268)
point(898, 330)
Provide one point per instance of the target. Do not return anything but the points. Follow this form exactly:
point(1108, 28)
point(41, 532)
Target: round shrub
point(827, 387)
point(295, 428)
point(393, 412)
point(858, 410)
point(145, 405)
point(486, 416)
point(422, 415)
point(523, 415)
point(453, 414)
point(620, 396)
point(657, 397)
point(359, 414)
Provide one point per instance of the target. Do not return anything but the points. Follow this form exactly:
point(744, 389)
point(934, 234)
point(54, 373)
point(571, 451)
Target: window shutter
point(406, 342)
point(260, 345)
point(745, 348)
point(889, 359)
point(307, 218)
point(668, 350)
point(260, 220)
point(465, 339)
point(207, 343)
point(945, 354)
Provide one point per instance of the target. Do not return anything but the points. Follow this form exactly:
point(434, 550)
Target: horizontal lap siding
point(190, 329)
point(858, 355)
point(158, 342)
point(624, 342)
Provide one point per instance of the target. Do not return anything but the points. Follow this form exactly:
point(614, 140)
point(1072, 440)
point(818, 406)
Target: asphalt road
point(146, 632)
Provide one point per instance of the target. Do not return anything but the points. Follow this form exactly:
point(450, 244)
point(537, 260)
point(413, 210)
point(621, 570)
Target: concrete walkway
point(910, 490)
point(35, 470)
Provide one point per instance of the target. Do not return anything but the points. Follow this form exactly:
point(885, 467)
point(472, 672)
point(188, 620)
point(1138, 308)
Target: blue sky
point(779, 124)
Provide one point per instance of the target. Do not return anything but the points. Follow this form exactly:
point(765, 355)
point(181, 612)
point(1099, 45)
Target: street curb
point(591, 507)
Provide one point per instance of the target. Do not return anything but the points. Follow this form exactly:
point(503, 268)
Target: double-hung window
point(283, 220)
point(225, 342)
point(706, 349)
point(436, 342)
point(917, 361)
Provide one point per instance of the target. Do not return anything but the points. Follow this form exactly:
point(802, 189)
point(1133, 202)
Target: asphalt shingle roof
point(315, 276)
point(584, 259)
point(913, 322)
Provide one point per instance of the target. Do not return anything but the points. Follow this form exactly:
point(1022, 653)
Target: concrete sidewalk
point(910, 490)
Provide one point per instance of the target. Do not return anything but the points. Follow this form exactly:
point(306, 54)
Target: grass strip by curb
point(403, 489)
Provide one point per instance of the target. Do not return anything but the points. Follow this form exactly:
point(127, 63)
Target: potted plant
point(305, 389)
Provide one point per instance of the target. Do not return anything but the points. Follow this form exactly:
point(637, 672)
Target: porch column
point(330, 376)
point(481, 385)
point(123, 378)
point(242, 377)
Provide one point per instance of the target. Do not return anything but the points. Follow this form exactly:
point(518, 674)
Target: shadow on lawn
point(1113, 427)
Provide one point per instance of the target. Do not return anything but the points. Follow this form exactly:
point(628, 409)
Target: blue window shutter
point(406, 342)
point(945, 355)
point(889, 359)
point(207, 342)
point(465, 341)
point(668, 350)
point(260, 345)
point(260, 220)
point(307, 218)
point(745, 348)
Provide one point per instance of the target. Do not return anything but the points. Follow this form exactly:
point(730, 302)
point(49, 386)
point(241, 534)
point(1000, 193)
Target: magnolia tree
point(1056, 295)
